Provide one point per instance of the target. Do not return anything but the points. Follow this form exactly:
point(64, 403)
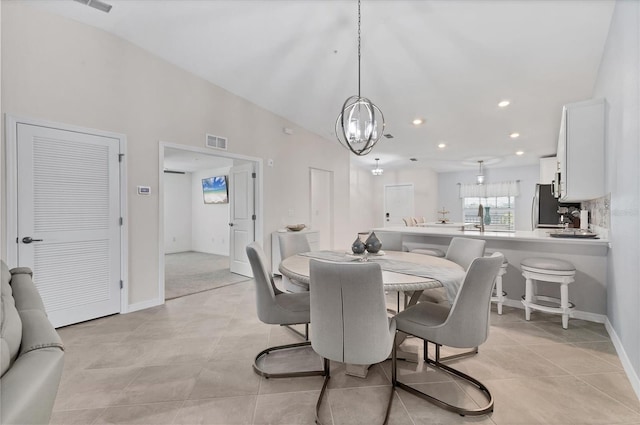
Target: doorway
point(66, 189)
point(398, 203)
point(199, 250)
point(321, 208)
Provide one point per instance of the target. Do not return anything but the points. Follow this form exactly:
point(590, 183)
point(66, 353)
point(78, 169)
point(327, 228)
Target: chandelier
point(480, 176)
point(377, 171)
point(360, 123)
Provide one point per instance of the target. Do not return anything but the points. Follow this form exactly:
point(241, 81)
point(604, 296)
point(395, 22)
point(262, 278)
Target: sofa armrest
point(37, 332)
point(28, 390)
point(25, 292)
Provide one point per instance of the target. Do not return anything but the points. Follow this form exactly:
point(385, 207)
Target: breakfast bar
point(589, 255)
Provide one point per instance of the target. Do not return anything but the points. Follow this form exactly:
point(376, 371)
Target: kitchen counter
point(538, 235)
point(588, 292)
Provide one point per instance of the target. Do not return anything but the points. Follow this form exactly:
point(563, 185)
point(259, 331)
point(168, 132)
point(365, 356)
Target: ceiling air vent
point(216, 142)
point(96, 4)
point(389, 136)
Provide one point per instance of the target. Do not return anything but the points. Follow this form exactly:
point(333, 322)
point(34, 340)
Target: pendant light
point(480, 176)
point(377, 171)
point(360, 123)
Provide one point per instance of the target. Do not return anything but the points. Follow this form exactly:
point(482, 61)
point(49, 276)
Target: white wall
point(177, 212)
point(425, 195)
point(210, 231)
point(362, 215)
point(59, 70)
point(619, 83)
point(449, 195)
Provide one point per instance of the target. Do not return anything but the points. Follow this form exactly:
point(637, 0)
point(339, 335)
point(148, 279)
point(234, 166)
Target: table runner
point(449, 278)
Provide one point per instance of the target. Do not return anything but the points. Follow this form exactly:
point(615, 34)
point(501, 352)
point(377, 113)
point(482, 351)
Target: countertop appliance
point(545, 209)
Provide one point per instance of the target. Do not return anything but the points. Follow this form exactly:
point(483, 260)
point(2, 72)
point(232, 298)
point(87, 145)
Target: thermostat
point(144, 190)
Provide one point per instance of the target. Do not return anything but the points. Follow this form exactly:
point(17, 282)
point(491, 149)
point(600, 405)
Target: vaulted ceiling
point(447, 62)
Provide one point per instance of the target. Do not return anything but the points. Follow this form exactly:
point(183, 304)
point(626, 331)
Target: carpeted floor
point(190, 272)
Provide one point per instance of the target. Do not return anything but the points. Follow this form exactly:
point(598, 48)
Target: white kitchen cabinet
point(580, 157)
point(548, 168)
point(313, 236)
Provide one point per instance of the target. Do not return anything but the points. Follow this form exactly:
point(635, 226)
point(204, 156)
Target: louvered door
point(68, 204)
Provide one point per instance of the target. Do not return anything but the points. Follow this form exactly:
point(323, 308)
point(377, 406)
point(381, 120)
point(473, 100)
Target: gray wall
point(619, 82)
point(448, 193)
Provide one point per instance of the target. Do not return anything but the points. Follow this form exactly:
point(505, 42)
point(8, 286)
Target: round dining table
point(405, 272)
point(296, 267)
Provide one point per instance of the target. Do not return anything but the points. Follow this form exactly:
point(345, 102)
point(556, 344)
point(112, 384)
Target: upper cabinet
point(580, 157)
point(548, 169)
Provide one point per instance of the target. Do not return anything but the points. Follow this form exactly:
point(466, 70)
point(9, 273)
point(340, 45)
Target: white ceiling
point(449, 62)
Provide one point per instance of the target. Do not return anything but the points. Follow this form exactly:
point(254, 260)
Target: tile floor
point(189, 362)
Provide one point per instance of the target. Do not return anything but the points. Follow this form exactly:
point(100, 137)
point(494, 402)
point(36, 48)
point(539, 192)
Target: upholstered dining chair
point(292, 244)
point(277, 308)
point(461, 251)
point(464, 325)
point(349, 316)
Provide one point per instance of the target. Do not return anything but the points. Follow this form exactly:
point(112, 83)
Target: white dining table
point(419, 272)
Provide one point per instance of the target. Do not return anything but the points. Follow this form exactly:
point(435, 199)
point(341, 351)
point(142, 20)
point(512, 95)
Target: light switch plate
point(144, 190)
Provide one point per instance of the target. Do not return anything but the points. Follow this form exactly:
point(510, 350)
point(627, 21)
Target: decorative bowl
point(296, 227)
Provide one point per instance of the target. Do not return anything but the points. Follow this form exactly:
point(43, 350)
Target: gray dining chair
point(292, 244)
point(349, 316)
point(275, 307)
point(461, 251)
point(463, 325)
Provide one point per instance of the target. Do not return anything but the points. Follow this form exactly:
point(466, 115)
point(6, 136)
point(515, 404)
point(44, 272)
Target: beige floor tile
point(420, 372)
point(291, 408)
point(291, 360)
point(573, 359)
point(365, 406)
point(615, 385)
point(528, 333)
point(75, 417)
point(225, 378)
point(375, 377)
point(155, 413)
point(217, 411)
point(552, 400)
point(161, 383)
point(604, 350)
point(290, 385)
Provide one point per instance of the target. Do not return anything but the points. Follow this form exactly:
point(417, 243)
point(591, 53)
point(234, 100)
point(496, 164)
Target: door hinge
point(253, 175)
point(120, 156)
point(121, 284)
point(121, 221)
point(253, 217)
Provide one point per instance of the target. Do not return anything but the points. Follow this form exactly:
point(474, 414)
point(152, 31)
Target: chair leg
point(451, 357)
point(267, 375)
point(304, 335)
point(327, 376)
point(438, 365)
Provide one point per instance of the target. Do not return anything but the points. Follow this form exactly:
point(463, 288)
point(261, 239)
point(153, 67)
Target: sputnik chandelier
point(360, 123)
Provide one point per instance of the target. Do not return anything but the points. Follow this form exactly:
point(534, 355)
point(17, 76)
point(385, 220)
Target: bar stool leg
point(499, 293)
point(564, 304)
point(528, 297)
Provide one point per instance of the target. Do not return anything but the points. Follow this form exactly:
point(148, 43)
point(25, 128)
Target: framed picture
point(215, 190)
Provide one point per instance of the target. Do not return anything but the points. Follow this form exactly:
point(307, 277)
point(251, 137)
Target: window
point(499, 211)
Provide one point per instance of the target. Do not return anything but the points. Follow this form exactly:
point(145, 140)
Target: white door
point(68, 227)
point(322, 206)
point(398, 203)
point(242, 212)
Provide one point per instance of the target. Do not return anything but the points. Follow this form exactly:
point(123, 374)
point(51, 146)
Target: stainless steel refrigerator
point(544, 208)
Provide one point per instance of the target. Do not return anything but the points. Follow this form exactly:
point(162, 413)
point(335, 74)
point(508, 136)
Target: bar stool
point(499, 295)
point(548, 270)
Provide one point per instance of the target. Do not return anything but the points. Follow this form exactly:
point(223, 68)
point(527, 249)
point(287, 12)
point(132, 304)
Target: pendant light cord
point(358, 48)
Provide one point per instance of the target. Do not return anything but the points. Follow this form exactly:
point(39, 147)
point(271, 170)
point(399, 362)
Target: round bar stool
point(548, 270)
point(499, 295)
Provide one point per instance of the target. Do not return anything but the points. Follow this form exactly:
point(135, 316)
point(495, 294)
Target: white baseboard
point(624, 359)
point(582, 315)
point(144, 304)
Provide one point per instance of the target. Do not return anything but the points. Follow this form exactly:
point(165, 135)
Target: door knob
point(230, 224)
point(29, 239)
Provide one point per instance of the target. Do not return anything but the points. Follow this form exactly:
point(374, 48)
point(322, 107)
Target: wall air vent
point(216, 142)
point(96, 4)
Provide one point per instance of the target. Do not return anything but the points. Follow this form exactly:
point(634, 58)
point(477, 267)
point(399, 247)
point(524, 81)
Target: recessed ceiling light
point(504, 103)
point(417, 121)
point(520, 153)
point(442, 145)
point(514, 135)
